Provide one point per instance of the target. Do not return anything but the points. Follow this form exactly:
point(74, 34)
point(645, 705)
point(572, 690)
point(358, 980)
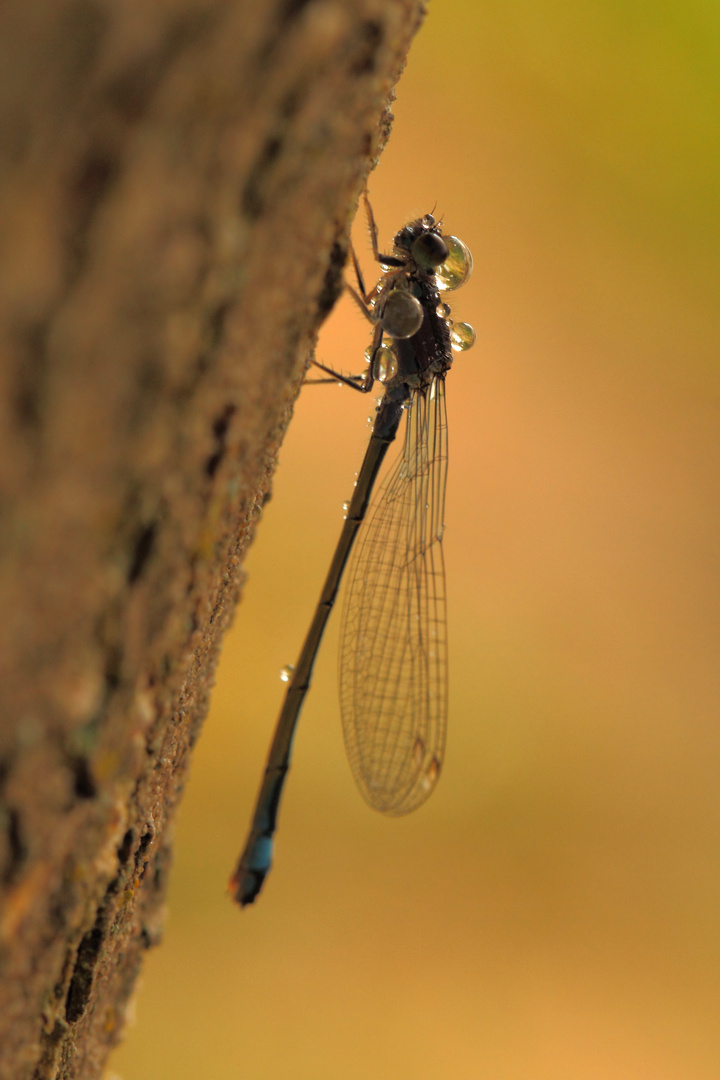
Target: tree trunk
point(176, 189)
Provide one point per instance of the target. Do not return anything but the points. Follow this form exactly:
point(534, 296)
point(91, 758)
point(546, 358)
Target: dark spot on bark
point(30, 375)
point(92, 180)
point(125, 849)
point(333, 283)
point(145, 842)
point(290, 9)
point(370, 37)
point(142, 860)
point(84, 971)
point(83, 782)
point(220, 430)
point(17, 848)
point(291, 103)
point(211, 465)
point(87, 190)
point(131, 92)
point(144, 544)
point(252, 200)
point(113, 668)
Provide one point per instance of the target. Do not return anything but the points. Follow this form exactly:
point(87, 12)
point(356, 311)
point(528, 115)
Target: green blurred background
point(552, 913)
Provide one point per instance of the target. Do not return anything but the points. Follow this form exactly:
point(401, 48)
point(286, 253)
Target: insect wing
point(393, 644)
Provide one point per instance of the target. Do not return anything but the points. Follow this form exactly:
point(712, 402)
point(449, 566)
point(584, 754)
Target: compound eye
point(429, 250)
point(402, 314)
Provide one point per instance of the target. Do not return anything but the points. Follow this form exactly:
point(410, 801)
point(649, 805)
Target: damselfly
point(393, 652)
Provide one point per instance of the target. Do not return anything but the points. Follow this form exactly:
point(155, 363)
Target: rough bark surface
point(176, 187)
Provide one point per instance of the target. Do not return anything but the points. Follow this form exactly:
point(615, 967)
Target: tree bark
point(176, 189)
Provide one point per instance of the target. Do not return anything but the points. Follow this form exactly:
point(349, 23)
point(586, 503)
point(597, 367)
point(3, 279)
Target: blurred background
point(552, 913)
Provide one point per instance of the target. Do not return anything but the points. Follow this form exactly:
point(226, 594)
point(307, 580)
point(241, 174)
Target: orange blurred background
point(552, 913)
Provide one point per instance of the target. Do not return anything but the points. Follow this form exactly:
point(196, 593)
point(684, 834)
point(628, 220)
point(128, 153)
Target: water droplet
point(402, 314)
point(418, 751)
point(346, 506)
point(287, 673)
point(462, 337)
point(443, 310)
point(457, 268)
point(385, 364)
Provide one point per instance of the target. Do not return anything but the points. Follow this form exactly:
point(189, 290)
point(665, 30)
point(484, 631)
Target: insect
point(393, 651)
